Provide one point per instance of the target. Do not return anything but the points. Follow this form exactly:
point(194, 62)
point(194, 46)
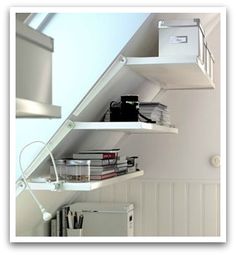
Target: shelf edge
point(125, 127)
point(87, 186)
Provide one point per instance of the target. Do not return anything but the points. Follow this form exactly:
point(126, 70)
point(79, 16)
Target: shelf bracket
point(61, 133)
point(20, 186)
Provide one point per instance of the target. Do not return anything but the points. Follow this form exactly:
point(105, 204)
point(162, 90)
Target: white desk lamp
point(46, 215)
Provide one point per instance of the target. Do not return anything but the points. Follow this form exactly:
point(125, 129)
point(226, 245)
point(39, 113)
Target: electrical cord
point(46, 215)
point(146, 118)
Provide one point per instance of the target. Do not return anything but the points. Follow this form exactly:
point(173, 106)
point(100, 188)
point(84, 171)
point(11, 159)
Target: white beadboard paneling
point(218, 204)
point(120, 192)
point(195, 209)
point(165, 210)
point(180, 216)
point(92, 196)
point(167, 207)
point(149, 212)
point(134, 190)
point(210, 208)
point(107, 194)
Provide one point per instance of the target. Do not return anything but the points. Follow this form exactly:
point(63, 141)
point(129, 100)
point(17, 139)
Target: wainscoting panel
point(149, 209)
point(195, 209)
point(210, 210)
point(164, 210)
point(180, 211)
point(167, 207)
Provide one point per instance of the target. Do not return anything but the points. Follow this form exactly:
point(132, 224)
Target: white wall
point(186, 155)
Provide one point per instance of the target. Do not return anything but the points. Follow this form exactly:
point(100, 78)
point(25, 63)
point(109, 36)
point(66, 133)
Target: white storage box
point(71, 170)
point(77, 170)
point(106, 219)
point(185, 38)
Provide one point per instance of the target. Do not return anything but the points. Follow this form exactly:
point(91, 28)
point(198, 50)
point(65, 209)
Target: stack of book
point(104, 164)
point(121, 165)
point(59, 224)
point(156, 111)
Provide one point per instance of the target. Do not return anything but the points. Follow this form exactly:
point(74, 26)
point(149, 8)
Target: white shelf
point(86, 186)
point(128, 127)
point(174, 72)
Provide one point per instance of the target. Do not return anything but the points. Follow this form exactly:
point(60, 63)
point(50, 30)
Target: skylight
point(37, 19)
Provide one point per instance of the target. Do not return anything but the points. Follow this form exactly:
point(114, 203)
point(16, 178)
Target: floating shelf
point(175, 73)
point(128, 127)
point(86, 186)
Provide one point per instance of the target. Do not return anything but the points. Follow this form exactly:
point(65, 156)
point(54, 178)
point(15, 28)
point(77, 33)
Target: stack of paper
point(156, 112)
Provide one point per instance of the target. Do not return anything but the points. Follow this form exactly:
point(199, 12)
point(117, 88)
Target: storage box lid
point(180, 23)
point(102, 207)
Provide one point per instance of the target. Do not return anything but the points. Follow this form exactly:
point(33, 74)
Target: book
point(97, 154)
point(92, 156)
point(122, 172)
point(97, 157)
point(118, 170)
point(102, 168)
point(102, 172)
point(99, 151)
point(58, 220)
point(122, 164)
point(64, 221)
point(53, 227)
point(103, 162)
point(103, 177)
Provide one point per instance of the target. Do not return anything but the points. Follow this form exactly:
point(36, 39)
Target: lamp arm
point(46, 216)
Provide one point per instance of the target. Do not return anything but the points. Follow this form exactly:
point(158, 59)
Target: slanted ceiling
point(22, 16)
point(143, 43)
